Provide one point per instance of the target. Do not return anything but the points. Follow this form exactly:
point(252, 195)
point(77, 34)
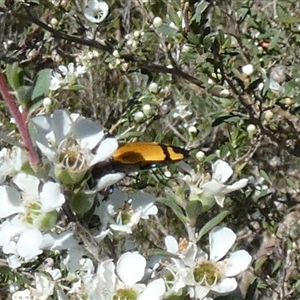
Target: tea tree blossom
point(216, 186)
point(203, 273)
point(66, 76)
point(33, 210)
point(11, 161)
point(122, 280)
point(72, 143)
point(96, 11)
point(123, 212)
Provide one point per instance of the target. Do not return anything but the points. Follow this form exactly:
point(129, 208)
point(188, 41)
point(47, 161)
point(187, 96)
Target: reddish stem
point(20, 119)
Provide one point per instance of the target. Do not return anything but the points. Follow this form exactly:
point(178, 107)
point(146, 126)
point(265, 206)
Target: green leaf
point(24, 95)
point(76, 87)
point(174, 17)
point(175, 208)
point(193, 210)
point(201, 7)
point(265, 176)
point(81, 203)
point(41, 85)
point(166, 30)
point(274, 40)
point(277, 266)
point(213, 223)
point(13, 75)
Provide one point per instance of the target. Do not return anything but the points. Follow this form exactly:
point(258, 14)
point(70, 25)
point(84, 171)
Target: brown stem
point(20, 119)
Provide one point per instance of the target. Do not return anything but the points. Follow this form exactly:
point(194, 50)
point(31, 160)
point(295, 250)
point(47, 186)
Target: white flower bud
point(125, 66)
point(248, 69)
point(251, 129)
point(53, 22)
point(116, 53)
point(157, 22)
point(268, 115)
point(147, 110)
point(153, 88)
point(200, 155)
point(139, 117)
point(95, 53)
point(136, 34)
point(47, 102)
point(192, 130)
point(288, 101)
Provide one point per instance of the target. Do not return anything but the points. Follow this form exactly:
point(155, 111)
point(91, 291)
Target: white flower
point(22, 242)
point(11, 161)
point(49, 198)
point(203, 274)
point(72, 143)
point(126, 211)
point(130, 268)
point(32, 202)
point(66, 77)
point(214, 274)
point(216, 187)
point(248, 69)
point(96, 11)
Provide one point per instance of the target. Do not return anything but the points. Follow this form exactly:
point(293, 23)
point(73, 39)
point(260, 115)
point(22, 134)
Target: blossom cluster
point(32, 204)
point(46, 210)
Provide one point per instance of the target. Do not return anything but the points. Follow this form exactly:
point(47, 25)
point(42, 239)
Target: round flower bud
point(95, 53)
point(268, 115)
point(192, 130)
point(139, 117)
point(125, 66)
point(136, 34)
point(288, 101)
point(153, 88)
point(200, 155)
point(147, 110)
point(47, 102)
point(116, 53)
point(157, 22)
point(53, 22)
point(248, 69)
point(251, 129)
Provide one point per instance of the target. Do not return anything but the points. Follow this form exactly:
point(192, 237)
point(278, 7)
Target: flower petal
point(154, 290)
point(131, 268)
point(28, 184)
point(105, 150)
point(220, 200)
point(238, 262)
point(221, 240)
point(221, 171)
point(10, 201)
point(88, 133)
point(171, 244)
point(108, 180)
point(51, 197)
point(237, 185)
point(29, 243)
point(61, 123)
point(214, 188)
point(227, 285)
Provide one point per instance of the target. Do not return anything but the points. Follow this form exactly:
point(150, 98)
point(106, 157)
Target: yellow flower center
point(71, 156)
point(207, 273)
point(125, 294)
